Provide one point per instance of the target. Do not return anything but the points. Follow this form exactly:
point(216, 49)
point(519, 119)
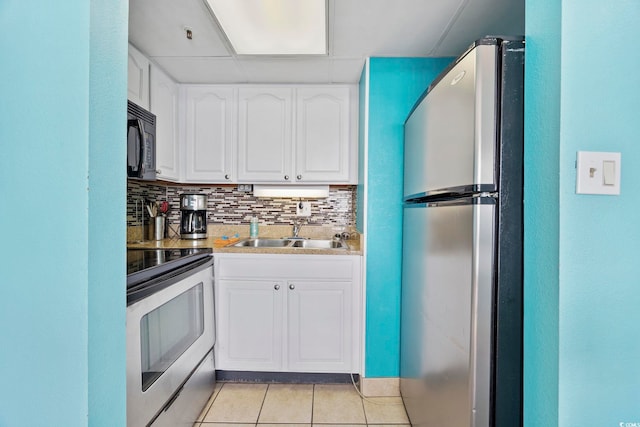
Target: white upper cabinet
point(138, 78)
point(223, 134)
point(264, 134)
point(297, 135)
point(164, 104)
point(322, 135)
point(209, 134)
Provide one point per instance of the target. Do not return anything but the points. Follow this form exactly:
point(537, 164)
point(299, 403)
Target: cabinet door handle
point(158, 171)
point(286, 177)
point(276, 287)
point(292, 286)
point(299, 177)
point(226, 177)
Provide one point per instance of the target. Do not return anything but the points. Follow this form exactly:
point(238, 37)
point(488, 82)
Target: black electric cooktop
point(146, 264)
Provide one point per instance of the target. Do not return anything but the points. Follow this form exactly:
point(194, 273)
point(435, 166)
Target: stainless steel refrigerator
point(461, 324)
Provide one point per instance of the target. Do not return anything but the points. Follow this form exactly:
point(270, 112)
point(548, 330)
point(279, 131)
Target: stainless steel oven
point(170, 337)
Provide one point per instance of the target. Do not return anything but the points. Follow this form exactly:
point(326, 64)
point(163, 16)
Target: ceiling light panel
point(273, 27)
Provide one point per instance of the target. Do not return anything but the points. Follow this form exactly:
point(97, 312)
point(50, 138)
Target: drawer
point(268, 266)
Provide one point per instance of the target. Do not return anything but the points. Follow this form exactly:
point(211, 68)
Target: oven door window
point(168, 331)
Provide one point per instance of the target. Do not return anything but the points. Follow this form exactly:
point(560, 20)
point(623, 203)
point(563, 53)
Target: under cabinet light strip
point(293, 191)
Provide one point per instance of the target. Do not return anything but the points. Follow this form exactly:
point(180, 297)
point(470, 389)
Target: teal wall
point(582, 294)
point(362, 121)
point(599, 235)
point(395, 84)
point(542, 204)
point(63, 88)
point(62, 261)
point(107, 206)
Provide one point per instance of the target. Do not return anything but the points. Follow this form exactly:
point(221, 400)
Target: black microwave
point(141, 143)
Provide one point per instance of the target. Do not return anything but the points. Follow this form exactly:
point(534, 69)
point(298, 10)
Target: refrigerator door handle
point(481, 314)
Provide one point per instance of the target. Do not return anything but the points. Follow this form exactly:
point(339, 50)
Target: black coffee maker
point(193, 221)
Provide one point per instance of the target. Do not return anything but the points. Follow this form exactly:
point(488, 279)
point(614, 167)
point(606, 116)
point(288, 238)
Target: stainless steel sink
point(264, 243)
point(292, 243)
point(320, 244)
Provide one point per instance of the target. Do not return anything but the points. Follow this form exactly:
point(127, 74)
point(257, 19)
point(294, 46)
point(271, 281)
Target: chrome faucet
point(297, 225)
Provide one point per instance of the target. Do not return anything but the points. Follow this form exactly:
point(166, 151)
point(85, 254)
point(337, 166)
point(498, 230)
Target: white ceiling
point(357, 29)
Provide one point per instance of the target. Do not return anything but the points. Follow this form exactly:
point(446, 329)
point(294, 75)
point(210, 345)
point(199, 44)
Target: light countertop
point(265, 232)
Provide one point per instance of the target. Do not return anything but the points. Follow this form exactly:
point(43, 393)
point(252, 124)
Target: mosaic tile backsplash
point(227, 205)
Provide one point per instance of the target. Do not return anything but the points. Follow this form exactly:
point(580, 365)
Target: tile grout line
point(364, 410)
point(264, 399)
point(313, 398)
point(204, 417)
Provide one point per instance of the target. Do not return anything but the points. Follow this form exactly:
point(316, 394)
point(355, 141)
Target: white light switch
point(598, 173)
point(609, 172)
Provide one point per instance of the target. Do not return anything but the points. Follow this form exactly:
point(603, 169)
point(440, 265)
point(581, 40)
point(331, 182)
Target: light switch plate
point(590, 172)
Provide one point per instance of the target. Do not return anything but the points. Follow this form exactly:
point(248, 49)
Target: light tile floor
point(304, 405)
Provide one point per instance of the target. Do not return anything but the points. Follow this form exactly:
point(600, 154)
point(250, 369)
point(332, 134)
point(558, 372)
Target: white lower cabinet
point(250, 332)
point(288, 313)
point(319, 327)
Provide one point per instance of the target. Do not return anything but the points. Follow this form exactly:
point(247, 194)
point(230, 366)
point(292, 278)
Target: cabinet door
point(320, 316)
point(322, 137)
point(164, 104)
point(209, 134)
point(250, 322)
point(138, 78)
point(264, 135)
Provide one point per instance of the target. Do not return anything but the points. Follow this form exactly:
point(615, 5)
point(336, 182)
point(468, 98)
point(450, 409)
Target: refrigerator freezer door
point(446, 314)
point(450, 137)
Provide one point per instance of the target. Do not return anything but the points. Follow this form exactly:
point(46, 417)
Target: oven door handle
point(140, 291)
